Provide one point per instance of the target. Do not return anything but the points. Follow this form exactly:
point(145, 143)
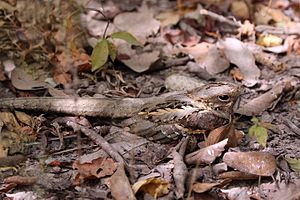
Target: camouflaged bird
point(160, 119)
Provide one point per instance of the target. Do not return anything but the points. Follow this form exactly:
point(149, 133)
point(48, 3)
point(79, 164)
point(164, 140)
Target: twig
point(99, 140)
point(219, 18)
point(291, 125)
point(106, 19)
point(279, 30)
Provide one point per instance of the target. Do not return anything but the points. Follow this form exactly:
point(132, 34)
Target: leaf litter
point(258, 50)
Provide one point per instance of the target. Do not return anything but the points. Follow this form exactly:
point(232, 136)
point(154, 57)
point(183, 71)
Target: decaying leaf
point(157, 187)
point(120, 186)
point(294, 163)
point(218, 134)
point(23, 81)
point(206, 155)
point(141, 62)
point(208, 56)
point(21, 180)
point(262, 102)
point(98, 168)
point(24, 118)
point(203, 187)
point(9, 121)
point(168, 18)
point(180, 172)
point(237, 175)
point(140, 24)
point(237, 193)
point(258, 163)
point(237, 53)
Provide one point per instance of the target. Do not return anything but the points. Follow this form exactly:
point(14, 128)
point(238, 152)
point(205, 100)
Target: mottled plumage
point(200, 110)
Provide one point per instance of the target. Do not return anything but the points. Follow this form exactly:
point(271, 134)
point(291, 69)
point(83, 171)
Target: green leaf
point(251, 131)
point(260, 133)
point(100, 55)
point(112, 50)
point(254, 120)
point(294, 163)
point(123, 35)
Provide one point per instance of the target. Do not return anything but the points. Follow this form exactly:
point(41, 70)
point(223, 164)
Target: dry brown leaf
point(21, 180)
point(23, 81)
point(168, 18)
point(24, 118)
point(237, 193)
point(258, 163)
point(238, 54)
point(236, 74)
point(206, 155)
point(203, 187)
point(237, 175)
point(218, 134)
point(120, 186)
point(141, 24)
point(180, 172)
point(141, 62)
point(62, 78)
point(262, 102)
point(9, 121)
point(156, 187)
point(98, 168)
point(208, 56)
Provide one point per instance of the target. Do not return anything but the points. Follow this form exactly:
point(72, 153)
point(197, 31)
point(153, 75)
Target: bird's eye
point(224, 98)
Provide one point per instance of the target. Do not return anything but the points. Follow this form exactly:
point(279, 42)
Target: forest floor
point(140, 49)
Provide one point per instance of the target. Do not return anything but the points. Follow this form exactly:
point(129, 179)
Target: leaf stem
point(106, 19)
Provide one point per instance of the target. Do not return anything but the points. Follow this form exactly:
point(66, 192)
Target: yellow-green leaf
point(254, 120)
point(294, 163)
point(100, 54)
point(112, 50)
point(128, 37)
point(260, 133)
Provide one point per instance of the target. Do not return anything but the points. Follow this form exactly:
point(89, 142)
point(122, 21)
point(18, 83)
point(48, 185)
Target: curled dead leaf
point(156, 187)
point(262, 102)
point(237, 175)
point(218, 134)
point(258, 163)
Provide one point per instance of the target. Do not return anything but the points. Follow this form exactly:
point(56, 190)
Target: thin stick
point(219, 18)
